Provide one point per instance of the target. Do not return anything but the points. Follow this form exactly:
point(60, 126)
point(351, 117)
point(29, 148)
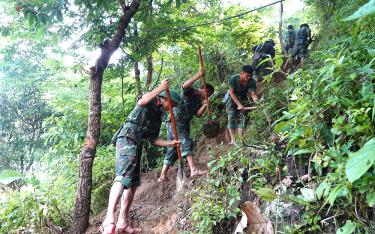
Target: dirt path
point(156, 207)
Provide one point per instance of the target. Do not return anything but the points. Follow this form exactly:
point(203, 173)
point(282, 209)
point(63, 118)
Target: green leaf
point(266, 194)
point(323, 190)
point(371, 52)
point(39, 34)
point(367, 9)
point(308, 194)
point(280, 127)
point(304, 151)
point(338, 191)
point(9, 176)
point(31, 18)
point(370, 198)
point(348, 228)
point(360, 161)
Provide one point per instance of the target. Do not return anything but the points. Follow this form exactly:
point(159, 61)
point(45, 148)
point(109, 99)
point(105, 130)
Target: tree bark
point(150, 70)
point(281, 27)
point(86, 158)
point(137, 77)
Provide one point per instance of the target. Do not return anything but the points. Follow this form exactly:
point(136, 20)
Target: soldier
point(263, 51)
point(192, 104)
point(142, 123)
point(303, 40)
point(240, 87)
point(289, 42)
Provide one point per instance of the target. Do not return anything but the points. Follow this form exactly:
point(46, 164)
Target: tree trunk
point(137, 77)
point(281, 27)
point(86, 157)
point(150, 70)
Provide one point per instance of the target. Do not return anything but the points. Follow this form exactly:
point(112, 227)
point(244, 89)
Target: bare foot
point(107, 228)
point(128, 229)
point(232, 143)
point(163, 179)
point(197, 173)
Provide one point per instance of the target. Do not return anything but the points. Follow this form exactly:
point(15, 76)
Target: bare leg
point(164, 174)
point(114, 195)
point(193, 169)
point(123, 219)
point(231, 133)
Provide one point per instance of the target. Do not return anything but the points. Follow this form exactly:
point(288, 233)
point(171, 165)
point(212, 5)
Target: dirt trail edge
point(157, 208)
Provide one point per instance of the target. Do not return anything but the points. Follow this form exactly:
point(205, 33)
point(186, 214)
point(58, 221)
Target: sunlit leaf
point(280, 127)
point(308, 194)
point(367, 9)
point(338, 191)
point(348, 228)
point(266, 194)
point(304, 151)
point(370, 198)
point(9, 176)
point(323, 190)
point(360, 161)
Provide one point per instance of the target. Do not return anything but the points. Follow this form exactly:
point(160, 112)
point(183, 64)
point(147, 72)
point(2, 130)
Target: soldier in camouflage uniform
point(142, 123)
point(289, 42)
point(192, 105)
point(303, 40)
point(240, 87)
point(263, 59)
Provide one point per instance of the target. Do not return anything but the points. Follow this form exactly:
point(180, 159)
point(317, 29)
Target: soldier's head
point(175, 99)
point(210, 90)
point(271, 42)
point(290, 27)
point(246, 72)
point(304, 25)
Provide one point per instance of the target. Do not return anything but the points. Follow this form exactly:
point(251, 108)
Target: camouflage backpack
point(302, 35)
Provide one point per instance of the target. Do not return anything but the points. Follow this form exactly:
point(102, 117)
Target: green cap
point(175, 97)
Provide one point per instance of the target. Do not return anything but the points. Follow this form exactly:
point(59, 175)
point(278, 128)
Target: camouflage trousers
point(128, 162)
point(186, 144)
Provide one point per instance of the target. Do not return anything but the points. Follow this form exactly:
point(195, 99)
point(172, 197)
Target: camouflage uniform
point(235, 118)
point(301, 44)
point(142, 123)
point(262, 52)
point(191, 103)
point(289, 41)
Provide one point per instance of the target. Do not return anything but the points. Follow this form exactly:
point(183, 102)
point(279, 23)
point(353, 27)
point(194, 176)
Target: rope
point(212, 22)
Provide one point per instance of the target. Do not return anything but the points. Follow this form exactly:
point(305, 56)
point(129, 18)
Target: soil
point(157, 208)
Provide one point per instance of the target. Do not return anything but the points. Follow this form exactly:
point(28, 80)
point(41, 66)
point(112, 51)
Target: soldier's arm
point(235, 98)
point(254, 96)
point(147, 97)
point(202, 109)
point(160, 142)
point(190, 82)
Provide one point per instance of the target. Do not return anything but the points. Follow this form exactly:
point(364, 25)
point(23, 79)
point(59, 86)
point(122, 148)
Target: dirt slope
point(156, 207)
